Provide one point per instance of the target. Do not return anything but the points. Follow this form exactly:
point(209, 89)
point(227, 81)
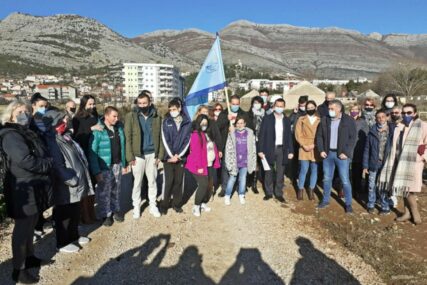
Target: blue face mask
point(332, 114)
point(278, 110)
point(41, 110)
point(407, 119)
point(380, 126)
point(234, 108)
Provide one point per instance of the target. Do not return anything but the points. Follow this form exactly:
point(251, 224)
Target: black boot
point(22, 276)
point(254, 183)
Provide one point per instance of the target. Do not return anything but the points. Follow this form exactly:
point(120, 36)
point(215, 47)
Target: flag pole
point(226, 98)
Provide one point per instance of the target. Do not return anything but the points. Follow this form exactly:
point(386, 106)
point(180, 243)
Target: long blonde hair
point(6, 116)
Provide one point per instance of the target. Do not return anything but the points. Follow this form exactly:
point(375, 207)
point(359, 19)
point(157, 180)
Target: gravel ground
point(257, 243)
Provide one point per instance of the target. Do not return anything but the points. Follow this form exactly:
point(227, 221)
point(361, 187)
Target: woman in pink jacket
point(201, 161)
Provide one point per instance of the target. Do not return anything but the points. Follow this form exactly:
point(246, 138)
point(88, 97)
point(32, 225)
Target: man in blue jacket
point(335, 139)
point(176, 132)
point(377, 148)
point(276, 146)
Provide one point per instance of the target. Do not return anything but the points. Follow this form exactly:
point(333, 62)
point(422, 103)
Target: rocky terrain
point(67, 42)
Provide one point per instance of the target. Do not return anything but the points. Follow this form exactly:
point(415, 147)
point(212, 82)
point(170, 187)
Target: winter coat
point(135, 136)
point(231, 153)
point(362, 130)
point(82, 131)
point(347, 135)
point(174, 141)
point(305, 134)
point(267, 138)
point(372, 146)
point(27, 185)
point(100, 149)
point(323, 110)
point(71, 176)
point(198, 156)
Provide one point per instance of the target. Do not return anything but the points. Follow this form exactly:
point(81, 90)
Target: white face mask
point(302, 108)
point(216, 113)
point(174, 114)
point(389, 104)
point(257, 106)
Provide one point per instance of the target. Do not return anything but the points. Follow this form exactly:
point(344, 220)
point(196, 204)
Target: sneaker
point(83, 240)
point(154, 212)
point(70, 248)
point(384, 213)
point(196, 211)
point(136, 213)
point(227, 200)
point(205, 208)
point(322, 205)
point(108, 221)
point(118, 217)
point(371, 210)
point(242, 199)
point(348, 209)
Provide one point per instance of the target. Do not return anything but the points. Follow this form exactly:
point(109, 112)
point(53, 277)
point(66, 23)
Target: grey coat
point(71, 175)
point(231, 157)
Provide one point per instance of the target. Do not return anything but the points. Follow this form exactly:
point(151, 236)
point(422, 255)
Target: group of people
point(74, 159)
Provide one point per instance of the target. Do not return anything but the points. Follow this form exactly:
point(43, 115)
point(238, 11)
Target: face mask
point(174, 114)
point(92, 110)
point(395, 118)
point(235, 108)
point(61, 128)
point(264, 98)
point(278, 110)
point(204, 128)
point(389, 105)
point(302, 109)
point(41, 110)
point(369, 109)
point(257, 106)
point(380, 126)
point(73, 110)
point(407, 119)
point(311, 112)
point(216, 113)
point(332, 114)
point(145, 109)
point(354, 114)
point(23, 119)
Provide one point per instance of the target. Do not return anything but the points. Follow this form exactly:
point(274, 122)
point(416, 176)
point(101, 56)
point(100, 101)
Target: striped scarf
point(398, 172)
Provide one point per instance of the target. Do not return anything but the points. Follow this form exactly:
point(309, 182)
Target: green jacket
point(134, 136)
point(100, 149)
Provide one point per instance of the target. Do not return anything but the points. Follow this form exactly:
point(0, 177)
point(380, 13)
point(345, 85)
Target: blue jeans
point(242, 182)
point(343, 166)
point(304, 165)
point(372, 193)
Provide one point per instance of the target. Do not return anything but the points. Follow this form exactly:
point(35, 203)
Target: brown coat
point(305, 134)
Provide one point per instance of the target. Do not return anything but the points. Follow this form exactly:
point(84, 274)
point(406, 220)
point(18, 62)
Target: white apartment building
point(162, 80)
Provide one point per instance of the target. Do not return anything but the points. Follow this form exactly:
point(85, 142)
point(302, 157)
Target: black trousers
point(356, 178)
point(66, 219)
point(22, 240)
point(173, 177)
point(224, 174)
point(274, 178)
point(204, 187)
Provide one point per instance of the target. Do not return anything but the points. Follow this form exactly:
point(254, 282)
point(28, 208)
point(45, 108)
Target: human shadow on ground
point(315, 267)
point(143, 265)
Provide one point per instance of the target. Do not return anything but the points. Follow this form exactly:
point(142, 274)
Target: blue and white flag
point(210, 78)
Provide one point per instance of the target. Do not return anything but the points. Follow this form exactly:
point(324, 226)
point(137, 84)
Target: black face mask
point(72, 110)
point(311, 112)
point(395, 118)
point(369, 109)
point(145, 109)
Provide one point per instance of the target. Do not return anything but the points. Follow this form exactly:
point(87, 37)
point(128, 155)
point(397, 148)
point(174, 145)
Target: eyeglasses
point(407, 113)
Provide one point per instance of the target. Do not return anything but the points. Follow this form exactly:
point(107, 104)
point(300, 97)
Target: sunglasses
point(407, 113)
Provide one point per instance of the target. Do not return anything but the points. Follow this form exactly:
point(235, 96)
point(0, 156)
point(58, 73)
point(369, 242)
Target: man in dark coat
point(335, 140)
point(322, 109)
point(275, 146)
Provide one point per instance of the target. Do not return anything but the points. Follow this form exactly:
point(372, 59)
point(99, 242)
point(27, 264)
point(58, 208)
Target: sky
point(135, 17)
